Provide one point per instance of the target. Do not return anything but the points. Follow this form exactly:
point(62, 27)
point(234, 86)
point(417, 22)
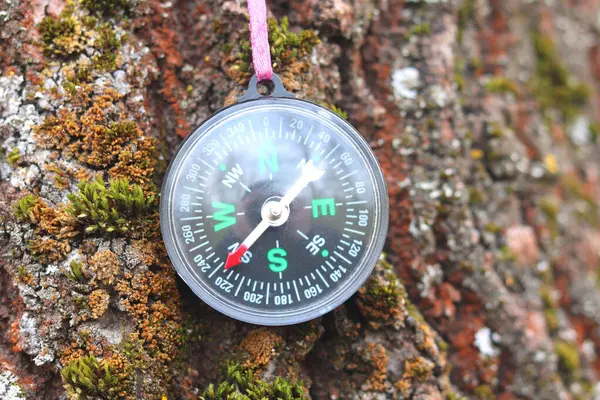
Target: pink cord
point(259, 39)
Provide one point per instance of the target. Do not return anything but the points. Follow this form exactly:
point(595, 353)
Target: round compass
point(274, 211)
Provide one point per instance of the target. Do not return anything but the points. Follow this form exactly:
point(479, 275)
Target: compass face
point(274, 211)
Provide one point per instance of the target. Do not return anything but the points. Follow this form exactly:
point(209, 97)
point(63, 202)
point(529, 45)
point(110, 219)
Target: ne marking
point(210, 255)
point(323, 279)
point(337, 165)
point(329, 265)
point(241, 213)
point(296, 289)
point(342, 257)
point(348, 203)
point(349, 223)
point(229, 276)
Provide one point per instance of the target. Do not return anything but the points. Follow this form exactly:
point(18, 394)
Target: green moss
point(108, 44)
point(336, 110)
point(240, 383)
point(500, 84)
point(484, 392)
point(106, 7)
point(76, 272)
point(108, 209)
point(14, 157)
point(87, 378)
point(22, 208)
point(286, 46)
point(553, 85)
point(420, 29)
point(550, 313)
point(61, 36)
point(506, 254)
point(455, 396)
point(568, 357)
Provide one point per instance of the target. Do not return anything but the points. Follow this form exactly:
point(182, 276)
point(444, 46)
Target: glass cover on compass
point(298, 180)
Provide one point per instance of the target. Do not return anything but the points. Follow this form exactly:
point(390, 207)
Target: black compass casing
point(250, 153)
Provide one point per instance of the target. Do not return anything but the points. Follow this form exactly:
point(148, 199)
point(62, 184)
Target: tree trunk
point(481, 112)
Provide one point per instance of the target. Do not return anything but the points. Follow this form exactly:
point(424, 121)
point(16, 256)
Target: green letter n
point(223, 215)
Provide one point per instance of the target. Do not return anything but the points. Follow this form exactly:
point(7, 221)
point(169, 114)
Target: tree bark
point(482, 114)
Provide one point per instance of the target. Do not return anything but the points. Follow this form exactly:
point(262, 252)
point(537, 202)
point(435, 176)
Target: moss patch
point(108, 44)
point(500, 84)
point(62, 36)
point(87, 378)
point(568, 357)
point(240, 383)
point(109, 208)
point(107, 7)
point(287, 49)
point(14, 157)
point(554, 87)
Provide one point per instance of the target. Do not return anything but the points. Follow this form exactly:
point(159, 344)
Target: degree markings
point(321, 150)
point(239, 286)
point(308, 134)
point(323, 279)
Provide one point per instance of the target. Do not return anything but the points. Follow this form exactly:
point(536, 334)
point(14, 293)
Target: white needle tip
point(311, 172)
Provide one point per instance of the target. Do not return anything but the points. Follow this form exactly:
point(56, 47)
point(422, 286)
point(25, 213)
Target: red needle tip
point(234, 258)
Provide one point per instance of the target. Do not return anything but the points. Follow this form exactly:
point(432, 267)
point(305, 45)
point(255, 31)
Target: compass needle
point(255, 212)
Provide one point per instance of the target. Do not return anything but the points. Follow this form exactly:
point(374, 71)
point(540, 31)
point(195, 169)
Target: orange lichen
point(416, 369)
point(260, 345)
point(378, 359)
point(49, 250)
point(97, 134)
point(157, 321)
point(98, 303)
point(105, 266)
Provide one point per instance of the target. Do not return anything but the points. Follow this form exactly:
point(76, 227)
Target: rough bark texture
point(482, 113)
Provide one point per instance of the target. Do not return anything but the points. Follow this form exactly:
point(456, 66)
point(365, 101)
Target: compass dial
point(274, 211)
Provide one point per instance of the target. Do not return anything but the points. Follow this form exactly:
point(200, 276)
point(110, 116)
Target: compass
point(274, 211)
